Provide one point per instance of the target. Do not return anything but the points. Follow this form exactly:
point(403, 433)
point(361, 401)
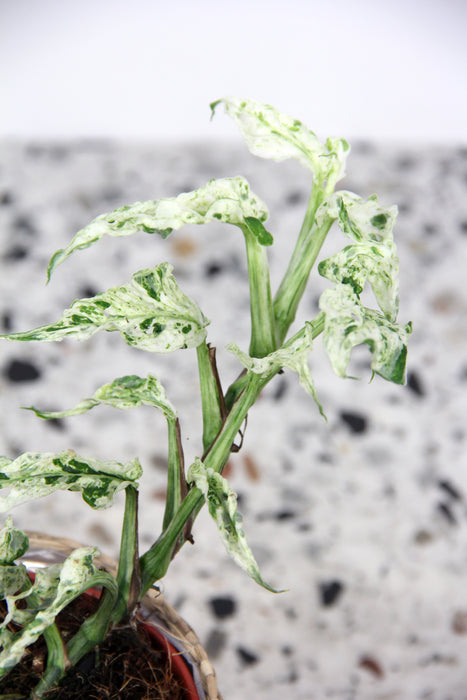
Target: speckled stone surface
point(363, 520)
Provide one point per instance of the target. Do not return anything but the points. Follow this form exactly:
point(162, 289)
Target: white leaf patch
point(228, 200)
point(293, 355)
point(34, 475)
point(151, 313)
point(124, 393)
point(269, 133)
point(222, 506)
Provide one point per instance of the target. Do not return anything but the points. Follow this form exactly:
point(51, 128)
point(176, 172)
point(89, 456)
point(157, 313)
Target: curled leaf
point(125, 393)
point(34, 475)
point(151, 313)
point(293, 355)
point(65, 583)
point(269, 133)
point(348, 323)
point(222, 506)
point(228, 200)
point(13, 543)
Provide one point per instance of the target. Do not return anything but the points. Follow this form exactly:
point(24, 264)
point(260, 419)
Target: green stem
point(309, 242)
point(94, 628)
point(176, 486)
point(57, 661)
point(212, 403)
point(155, 561)
point(128, 576)
point(263, 340)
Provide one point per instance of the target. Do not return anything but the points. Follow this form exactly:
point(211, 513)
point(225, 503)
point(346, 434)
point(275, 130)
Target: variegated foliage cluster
point(152, 313)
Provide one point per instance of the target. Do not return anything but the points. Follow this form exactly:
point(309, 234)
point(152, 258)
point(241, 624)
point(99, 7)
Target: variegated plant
point(152, 313)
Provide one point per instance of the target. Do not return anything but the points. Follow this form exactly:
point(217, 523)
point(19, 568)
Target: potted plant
point(152, 313)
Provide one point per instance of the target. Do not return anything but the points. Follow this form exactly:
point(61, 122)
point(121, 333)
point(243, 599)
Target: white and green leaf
point(293, 355)
point(13, 543)
point(269, 133)
point(125, 392)
point(76, 574)
point(362, 220)
point(222, 506)
point(348, 323)
point(34, 475)
point(151, 313)
point(374, 263)
point(229, 200)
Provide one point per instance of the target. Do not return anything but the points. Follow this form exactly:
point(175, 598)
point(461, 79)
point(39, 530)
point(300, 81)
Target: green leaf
point(293, 355)
point(348, 323)
point(271, 134)
point(125, 393)
point(34, 475)
point(75, 576)
point(222, 506)
point(151, 313)
point(259, 232)
point(228, 200)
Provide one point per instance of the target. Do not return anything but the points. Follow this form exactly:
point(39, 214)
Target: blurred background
point(149, 68)
point(362, 520)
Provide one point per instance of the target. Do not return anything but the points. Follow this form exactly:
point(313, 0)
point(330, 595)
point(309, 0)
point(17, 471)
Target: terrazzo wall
point(364, 519)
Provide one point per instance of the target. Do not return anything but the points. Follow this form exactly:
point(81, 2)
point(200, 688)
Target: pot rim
point(154, 610)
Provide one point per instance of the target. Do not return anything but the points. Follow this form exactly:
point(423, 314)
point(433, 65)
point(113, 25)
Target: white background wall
point(148, 69)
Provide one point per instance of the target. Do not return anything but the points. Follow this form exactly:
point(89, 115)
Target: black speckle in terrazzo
point(21, 371)
point(16, 252)
point(6, 322)
point(446, 511)
point(463, 226)
point(295, 197)
point(23, 224)
point(430, 229)
point(223, 606)
point(87, 291)
point(285, 514)
point(6, 198)
point(449, 489)
point(56, 424)
point(415, 384)
point(212, 269)
point(330, 592)
point(280, 389)
point(357, 422)
point(215, 643)
point(246, 656)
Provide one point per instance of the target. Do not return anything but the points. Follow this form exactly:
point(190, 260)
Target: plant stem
point(176, 487)
point(128, 575)
point(309, 242)
point(263, 340)
point(57, 661)
point(212, 402)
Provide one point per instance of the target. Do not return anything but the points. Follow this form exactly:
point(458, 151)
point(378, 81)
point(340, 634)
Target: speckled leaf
point(362, 220)
point(222, 506)
point(151, 313)
point(76, 575)
point(125, 392)
point(372, 256)
point(34, 475)
point(229, 200)
point(348, 323)
point(293, 355)
point(13, 543)
point(271, 134)
point(376, 263)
